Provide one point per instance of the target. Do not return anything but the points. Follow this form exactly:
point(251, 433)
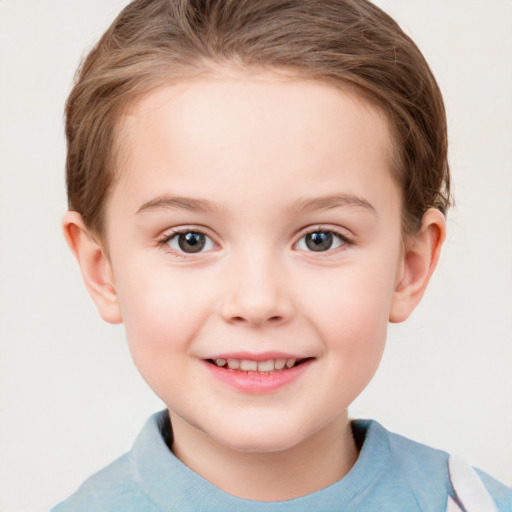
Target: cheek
point(351, 308)
point(161, 314)
point(353, 326)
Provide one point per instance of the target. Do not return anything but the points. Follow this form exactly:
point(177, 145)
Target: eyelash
point(345, 241)
point(163, 242)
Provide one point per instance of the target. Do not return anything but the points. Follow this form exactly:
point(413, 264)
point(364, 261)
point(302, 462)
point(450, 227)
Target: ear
point(95, 266)
point(419, 260)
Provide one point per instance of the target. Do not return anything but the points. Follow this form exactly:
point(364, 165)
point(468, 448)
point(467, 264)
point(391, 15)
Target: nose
point(256, 292)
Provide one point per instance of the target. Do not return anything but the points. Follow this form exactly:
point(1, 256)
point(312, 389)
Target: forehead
point(270, 97)
point(234, 129)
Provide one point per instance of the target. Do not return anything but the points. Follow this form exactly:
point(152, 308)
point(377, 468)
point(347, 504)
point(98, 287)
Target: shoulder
point(117, 487)
point(112, 489)
point(433, 476)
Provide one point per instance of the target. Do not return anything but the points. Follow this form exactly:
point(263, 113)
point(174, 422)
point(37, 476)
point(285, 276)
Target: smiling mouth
point(264, 367)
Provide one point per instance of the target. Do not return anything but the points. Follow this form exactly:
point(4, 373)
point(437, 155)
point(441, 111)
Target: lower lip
point(255, 382)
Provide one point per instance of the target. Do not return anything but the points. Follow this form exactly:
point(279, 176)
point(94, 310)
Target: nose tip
point(256, 296)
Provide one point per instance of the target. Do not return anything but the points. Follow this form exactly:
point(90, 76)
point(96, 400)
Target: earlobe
point(94, 265)
point(418, 263)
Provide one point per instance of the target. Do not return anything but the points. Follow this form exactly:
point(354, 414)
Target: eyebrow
point(329, 202)
point(302, 204)
point(178, 202)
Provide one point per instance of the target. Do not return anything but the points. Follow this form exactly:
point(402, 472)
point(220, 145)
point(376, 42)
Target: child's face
point(293, 252)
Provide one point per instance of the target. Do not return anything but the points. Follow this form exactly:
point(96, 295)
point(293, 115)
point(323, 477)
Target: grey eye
point(190, 242)
point(320, 241)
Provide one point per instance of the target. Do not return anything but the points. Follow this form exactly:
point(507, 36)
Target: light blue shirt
point(391, 474)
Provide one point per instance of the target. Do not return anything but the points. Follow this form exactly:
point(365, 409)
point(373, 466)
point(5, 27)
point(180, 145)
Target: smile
point(248, 365)
point(258, 375)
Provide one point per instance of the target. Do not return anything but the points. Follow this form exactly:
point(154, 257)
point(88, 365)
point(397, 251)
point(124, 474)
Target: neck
point(314, 464)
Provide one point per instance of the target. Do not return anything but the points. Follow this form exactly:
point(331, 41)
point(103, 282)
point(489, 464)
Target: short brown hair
point(343, 42)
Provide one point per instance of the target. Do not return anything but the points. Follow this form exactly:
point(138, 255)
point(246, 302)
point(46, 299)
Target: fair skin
point(256, 220)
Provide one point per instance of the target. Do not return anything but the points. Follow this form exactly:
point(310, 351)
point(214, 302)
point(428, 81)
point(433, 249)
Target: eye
point(189, 242)
point(321, 240)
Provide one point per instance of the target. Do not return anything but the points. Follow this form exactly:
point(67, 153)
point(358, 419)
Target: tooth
point(266, 366)
point(290, 362)
point(248, 366)
point(280, 364)
point(234, 364)
point(220, 362)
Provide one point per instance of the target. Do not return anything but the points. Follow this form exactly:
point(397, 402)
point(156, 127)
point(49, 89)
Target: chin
point(269, 439)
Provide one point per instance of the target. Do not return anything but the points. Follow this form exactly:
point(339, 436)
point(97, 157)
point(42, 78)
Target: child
point(256, 188)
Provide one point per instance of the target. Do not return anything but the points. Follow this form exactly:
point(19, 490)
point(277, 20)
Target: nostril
point(256, 320)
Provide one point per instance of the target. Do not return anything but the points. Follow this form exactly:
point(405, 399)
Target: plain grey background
point(70, 398)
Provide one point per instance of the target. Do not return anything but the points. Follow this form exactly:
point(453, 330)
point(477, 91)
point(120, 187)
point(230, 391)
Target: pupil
point(191, 242)
point(319, 241)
